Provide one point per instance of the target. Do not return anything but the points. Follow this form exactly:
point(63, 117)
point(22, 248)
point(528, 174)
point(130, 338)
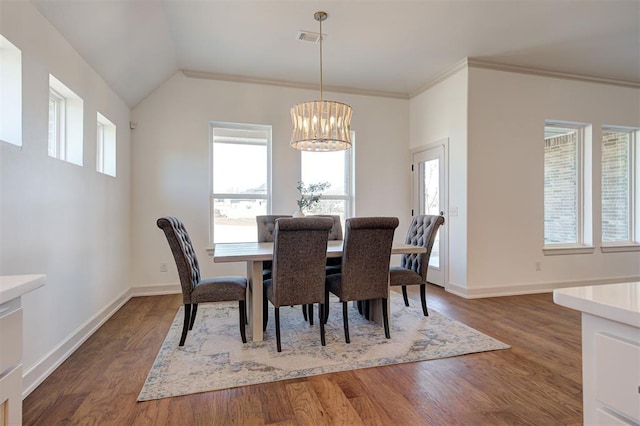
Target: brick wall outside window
point(615, 186)
point(560, 189)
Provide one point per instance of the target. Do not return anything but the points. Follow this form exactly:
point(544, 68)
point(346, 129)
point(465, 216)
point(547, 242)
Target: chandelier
point(321, 125)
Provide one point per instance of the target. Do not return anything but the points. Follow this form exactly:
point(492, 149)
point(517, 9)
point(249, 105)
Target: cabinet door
point(618, 375)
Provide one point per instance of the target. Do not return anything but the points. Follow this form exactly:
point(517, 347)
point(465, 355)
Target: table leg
point(254, 276)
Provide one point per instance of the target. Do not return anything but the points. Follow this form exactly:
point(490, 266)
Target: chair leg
point(310, 307)
point(366, 305)
point(385, 318)
point(345, 319)
point(304, 312)
point(242, 313)
point(321, 321)
point(404, 295)
point(423, 299)
point(359, 305)
point(265, 312)
point(277, 315)
point(193, 316)
point(326, 306)
point(185, 326)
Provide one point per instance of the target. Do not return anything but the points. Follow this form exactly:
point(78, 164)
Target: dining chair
point(266, 227)
point(195, 289)
point(333, 264)
point(365, 266)
point(298, 270)
point(414, 267)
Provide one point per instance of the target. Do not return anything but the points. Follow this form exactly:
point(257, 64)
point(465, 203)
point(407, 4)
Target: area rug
point(214, 356)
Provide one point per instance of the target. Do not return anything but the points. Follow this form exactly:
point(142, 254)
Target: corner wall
point(56, 218)
point(507, 113)
point(437, 113)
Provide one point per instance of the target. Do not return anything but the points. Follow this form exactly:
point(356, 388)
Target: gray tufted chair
point(365, 266)
point(195, 289)
point(297, 278)
point(414, 267)
point(266, 228)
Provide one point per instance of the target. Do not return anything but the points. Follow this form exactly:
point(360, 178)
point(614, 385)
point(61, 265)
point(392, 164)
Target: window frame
point(584, 234)
point(633, 152)
point(213, 125)
point(349, 177)
point(10, 93)
point(59, 144)
point(106, 146)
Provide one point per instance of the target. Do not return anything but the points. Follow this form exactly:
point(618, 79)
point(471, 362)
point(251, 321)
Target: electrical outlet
point(538, 266)
point(164, 267)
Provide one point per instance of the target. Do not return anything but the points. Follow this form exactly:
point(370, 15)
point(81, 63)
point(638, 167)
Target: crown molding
point(463, 64)
point(478, 63)
point(293, 85)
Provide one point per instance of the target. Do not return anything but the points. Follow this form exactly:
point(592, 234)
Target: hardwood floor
point(536, 382)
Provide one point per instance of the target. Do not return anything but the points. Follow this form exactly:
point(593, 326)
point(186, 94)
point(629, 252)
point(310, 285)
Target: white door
point(429, 167)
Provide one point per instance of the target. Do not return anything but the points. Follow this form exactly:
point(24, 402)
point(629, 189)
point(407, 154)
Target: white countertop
point(14, 286)
point(617, 302)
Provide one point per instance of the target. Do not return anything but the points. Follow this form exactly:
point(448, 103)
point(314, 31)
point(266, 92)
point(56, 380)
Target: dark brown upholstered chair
point(297, 278)
point(414, 267)
point(266, 228)
point(365, 266)
point(195, 289)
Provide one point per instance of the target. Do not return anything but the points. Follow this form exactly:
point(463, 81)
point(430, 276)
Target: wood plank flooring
point(536, 382)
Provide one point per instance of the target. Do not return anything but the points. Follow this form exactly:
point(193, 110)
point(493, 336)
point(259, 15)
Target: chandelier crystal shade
point(321, 125)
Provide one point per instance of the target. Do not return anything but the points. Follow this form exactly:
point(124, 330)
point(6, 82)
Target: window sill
point(569, 249)
point(619, 247)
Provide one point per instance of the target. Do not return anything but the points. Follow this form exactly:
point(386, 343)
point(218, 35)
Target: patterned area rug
point(214, 357)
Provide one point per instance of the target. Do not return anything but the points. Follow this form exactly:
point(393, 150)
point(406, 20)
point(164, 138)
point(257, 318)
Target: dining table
point(254, 253)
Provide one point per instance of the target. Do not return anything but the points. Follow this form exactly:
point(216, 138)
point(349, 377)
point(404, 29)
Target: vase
point(298, 213)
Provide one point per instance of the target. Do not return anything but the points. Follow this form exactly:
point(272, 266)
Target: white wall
point(170, 162)
point(438, 113)
point(507, 112)
point(66, 221)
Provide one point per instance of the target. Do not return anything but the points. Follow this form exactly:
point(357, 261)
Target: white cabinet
point(610, 351)
point(11, 290)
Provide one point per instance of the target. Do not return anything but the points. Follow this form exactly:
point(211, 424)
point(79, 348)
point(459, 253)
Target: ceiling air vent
point(310, 36)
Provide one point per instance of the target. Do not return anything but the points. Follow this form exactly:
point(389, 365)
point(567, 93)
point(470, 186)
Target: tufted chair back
point(422, 232)
point(183, 253)
point(267, 227)
point(266, 231)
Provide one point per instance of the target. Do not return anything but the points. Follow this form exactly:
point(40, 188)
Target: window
point(65, 123)
point(565, 221)
point(105, 146)
point(334, 167)
point(240, 180)
point(10, 93)
point(617, 184)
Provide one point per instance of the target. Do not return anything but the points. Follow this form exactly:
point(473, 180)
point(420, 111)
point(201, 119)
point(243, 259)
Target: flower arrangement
point(310, 194)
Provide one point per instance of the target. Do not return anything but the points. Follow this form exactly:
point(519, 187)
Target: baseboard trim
point(37, 374)
point(516, 290)
point(156, 289)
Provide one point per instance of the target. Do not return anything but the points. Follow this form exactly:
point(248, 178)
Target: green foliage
point(311, 194)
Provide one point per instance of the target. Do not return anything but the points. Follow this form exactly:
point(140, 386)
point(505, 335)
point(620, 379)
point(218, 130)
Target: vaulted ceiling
point(393, 46)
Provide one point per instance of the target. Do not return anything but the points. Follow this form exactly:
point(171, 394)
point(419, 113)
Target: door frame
point(444, 191)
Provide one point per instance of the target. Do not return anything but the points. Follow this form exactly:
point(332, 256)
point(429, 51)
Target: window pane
point(330, 207)
point(430, 171)
point(239, 168)
point(329, 167)
point(560, 185)
point(615, 186)
point(235, 220)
